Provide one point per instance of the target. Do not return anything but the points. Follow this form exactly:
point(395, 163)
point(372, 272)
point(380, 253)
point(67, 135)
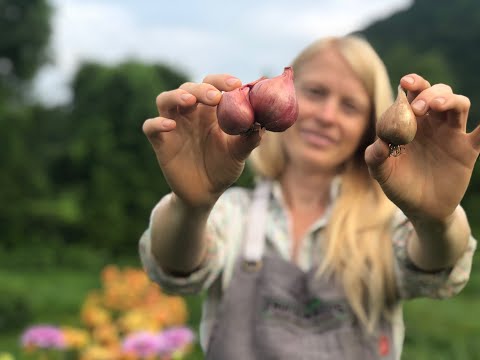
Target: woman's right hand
point(199, 160)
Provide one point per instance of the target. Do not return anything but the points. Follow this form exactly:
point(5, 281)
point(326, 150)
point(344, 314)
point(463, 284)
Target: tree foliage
point(85, 173)
point(436, 38)
point(25, 28)
point(106, 177)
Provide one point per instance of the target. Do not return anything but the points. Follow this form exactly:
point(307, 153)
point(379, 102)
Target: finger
point(414, 84)
point(152, 127)
point(440, 98)
point(456, 107)
point(432, 98)
point(376, 156)
point(205, 93)
point(223, 82)
point(243, 145)
point(170, 100)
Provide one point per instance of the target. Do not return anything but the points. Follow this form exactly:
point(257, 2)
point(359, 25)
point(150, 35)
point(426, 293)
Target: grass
point(54, 296)
point(442, 329)
point(446, 329)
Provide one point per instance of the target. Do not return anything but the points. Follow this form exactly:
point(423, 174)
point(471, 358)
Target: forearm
point(178, 237)
point(439, 244)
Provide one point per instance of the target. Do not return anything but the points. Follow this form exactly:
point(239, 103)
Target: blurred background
point(78, 178)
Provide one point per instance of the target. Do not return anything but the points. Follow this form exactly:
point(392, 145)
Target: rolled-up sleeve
point(413, 282)
point(193, 283)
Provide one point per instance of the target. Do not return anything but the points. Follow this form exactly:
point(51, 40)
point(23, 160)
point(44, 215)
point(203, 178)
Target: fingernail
point(186, 97)
point(232, 81)
point(212, 94)
point(408, 79)
point(419, 105)
point(440, 100)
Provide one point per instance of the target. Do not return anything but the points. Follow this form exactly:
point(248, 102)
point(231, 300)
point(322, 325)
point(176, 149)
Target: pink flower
point(176, 338)
point(142, 344)
point(44, 337)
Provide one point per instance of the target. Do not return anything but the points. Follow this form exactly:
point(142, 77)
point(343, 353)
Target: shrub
point(123, 319)
point(15, 311)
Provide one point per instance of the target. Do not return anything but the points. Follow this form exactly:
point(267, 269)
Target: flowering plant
point(129, 318)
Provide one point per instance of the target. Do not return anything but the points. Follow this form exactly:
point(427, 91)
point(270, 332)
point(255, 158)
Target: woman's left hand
point(429, 179)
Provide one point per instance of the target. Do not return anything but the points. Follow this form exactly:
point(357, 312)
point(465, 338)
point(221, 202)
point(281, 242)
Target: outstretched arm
point(428, 181)
point(199, 162)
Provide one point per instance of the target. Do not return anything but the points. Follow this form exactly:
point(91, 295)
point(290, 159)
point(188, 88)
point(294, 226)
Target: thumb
point(243, 145)
point(376, 156)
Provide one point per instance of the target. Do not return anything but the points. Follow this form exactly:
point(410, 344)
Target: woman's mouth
point(316, 138)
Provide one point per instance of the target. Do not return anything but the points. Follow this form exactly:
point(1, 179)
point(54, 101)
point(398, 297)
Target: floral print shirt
point(226, 228)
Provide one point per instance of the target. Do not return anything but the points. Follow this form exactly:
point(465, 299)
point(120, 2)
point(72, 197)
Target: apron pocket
point(291, 342)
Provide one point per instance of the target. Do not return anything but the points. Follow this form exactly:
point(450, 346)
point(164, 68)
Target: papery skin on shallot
point(274, 101)
point(268, 103)
point(398, 124)
point(234, 112)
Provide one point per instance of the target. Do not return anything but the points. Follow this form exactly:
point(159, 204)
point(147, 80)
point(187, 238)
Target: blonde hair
point(357, 249)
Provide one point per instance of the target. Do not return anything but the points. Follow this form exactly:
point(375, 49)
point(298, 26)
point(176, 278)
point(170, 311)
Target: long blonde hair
point(357, 248)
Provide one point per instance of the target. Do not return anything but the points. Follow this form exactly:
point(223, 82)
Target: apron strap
point(256, 223)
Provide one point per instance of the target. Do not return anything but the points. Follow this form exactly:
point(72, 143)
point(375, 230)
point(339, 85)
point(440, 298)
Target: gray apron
point(272, 310)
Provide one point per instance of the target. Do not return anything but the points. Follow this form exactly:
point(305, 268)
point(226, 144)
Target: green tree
point(401, 59)
point(25, 186)
point(25, 28)
point(108, 167)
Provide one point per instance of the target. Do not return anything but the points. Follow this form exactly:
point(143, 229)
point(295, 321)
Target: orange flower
point(106, 335)
point(152, 295)
point(127, 302)
point(94, 316)
point(137, 320)
point(176, 310)
point(109, 273)
point(125, 291)
point(93, 298)
point(75, 338)
point(96, 352)
point(136, 278)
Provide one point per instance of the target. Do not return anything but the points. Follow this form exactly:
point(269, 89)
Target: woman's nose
point(327, 111)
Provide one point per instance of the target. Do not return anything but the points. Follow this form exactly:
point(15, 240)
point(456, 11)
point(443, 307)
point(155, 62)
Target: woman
point(316, 261)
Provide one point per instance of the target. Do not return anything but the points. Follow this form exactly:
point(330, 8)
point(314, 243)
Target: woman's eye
point(316, 92)
point(351, 107)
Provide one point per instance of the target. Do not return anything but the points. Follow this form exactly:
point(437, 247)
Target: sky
point(247, 38)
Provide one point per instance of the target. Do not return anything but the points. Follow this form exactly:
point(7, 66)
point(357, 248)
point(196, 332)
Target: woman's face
point(334, 113)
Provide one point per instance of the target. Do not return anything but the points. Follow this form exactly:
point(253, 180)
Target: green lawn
point(437, 330)
point(441, 330)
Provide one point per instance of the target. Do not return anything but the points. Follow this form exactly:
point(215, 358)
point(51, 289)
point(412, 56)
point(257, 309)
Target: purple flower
point(176, 338)
point(44, 337)
point(143, 344)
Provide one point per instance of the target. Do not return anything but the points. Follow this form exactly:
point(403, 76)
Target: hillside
point(436, 38)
